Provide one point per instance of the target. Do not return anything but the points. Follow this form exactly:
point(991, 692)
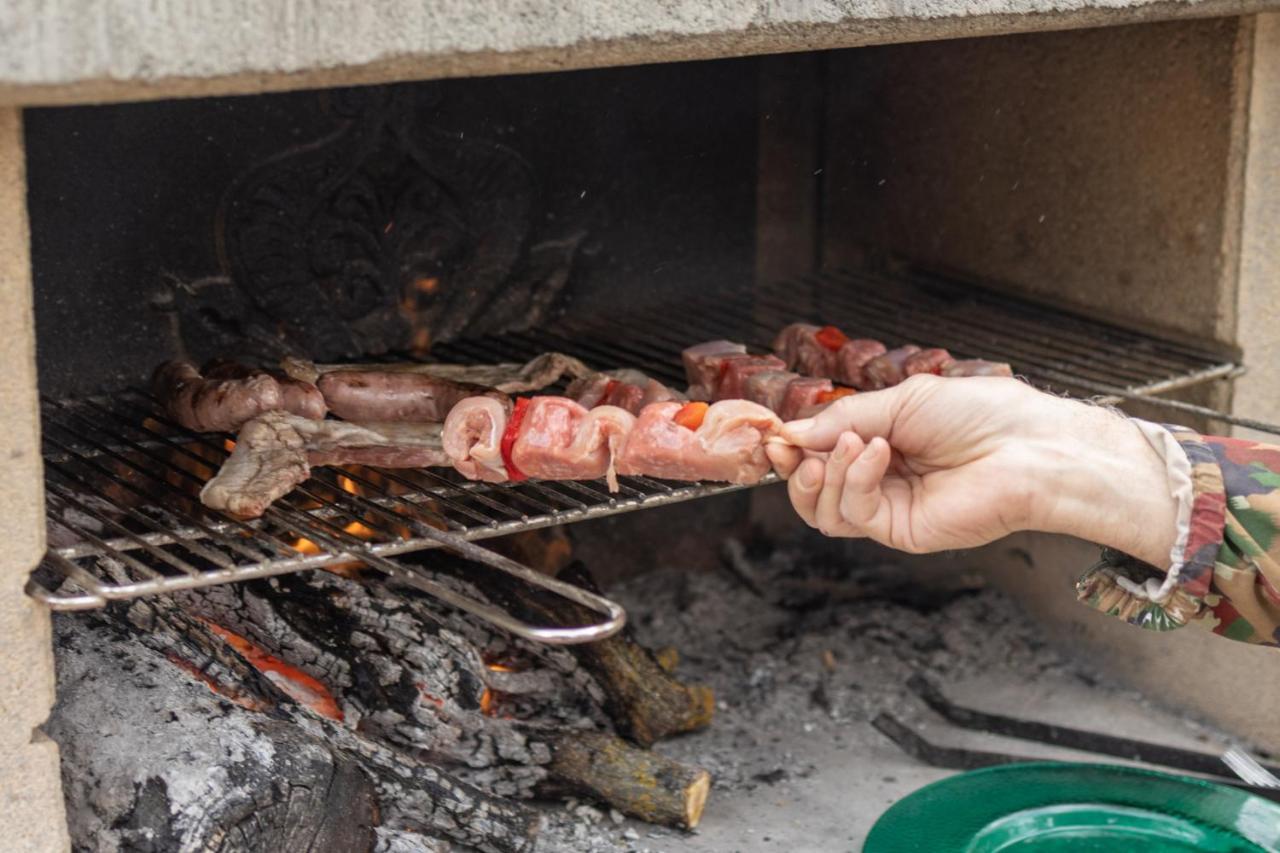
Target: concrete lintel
point(69, 52)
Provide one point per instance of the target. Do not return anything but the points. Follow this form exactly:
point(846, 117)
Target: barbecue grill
point(99, 448)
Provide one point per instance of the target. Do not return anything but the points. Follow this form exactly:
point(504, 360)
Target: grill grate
point(121, 480)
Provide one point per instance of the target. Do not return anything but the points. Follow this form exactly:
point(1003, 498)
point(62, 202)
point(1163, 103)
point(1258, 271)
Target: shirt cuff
point(1143, 594)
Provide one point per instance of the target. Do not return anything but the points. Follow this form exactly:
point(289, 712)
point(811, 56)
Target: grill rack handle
point(615, 615)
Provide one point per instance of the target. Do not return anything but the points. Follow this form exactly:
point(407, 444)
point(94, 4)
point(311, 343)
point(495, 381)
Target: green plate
point(1053, 807)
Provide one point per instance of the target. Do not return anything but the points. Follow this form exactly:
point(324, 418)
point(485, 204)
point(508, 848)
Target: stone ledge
point(120, 50)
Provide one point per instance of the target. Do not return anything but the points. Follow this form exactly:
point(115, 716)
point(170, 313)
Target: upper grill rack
point(121, 480)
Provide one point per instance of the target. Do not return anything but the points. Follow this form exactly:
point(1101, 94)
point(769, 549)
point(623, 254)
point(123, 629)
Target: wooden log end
point(637, 782)
point(696, 799)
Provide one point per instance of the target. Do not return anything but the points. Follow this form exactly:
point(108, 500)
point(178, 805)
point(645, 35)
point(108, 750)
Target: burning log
point(227, 760)
point(398, 684)
point(412, 794)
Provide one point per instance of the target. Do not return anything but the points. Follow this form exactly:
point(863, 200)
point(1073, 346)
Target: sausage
point(230, 395)
point(394, 396)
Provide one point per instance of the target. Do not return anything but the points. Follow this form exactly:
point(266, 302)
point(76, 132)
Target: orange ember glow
point(246, 702)
point(303, 688)
point(489, 698)
point(306, 546)
point(427, 285)
point(355, 528)
point(229, 444)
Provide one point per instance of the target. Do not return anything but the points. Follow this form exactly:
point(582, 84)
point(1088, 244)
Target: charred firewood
point(412, 676)
point(407, 792)
point(639, 782)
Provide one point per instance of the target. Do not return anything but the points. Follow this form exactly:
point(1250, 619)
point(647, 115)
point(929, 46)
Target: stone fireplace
point(1109, 161)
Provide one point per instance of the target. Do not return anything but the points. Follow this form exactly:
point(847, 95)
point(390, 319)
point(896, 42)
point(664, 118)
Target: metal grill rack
point(121, 480)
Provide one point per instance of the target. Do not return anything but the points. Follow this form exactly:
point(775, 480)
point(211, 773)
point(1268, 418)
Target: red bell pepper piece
point(509, 436)
point(690, 415)
point(830, 337)
point(834, 394)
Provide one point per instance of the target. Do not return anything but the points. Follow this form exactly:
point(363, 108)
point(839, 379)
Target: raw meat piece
point(473, 438)
point(561, 440)
point(802, 397)
point(727, 447)
point(977, 367)
point(933, 360)
point(769, 388)
point(275, 452)
point(885, 370)
point(702, 365)
point(736, 370)
point(852, 358)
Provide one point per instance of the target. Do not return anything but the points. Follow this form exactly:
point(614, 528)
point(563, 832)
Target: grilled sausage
point(394, 396)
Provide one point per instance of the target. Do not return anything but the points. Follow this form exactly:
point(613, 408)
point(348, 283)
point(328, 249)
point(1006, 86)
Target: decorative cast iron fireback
point(386, 234)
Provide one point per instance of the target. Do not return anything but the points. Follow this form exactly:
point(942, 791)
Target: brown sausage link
point(390, 396)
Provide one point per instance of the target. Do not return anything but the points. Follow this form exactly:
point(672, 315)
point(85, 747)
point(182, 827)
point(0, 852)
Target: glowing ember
point(303, 688)
point(489, 698)
point(356, 528)
point(246, 702)
point(427, 285)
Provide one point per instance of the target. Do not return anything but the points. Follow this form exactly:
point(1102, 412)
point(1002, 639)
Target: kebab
point(866, 364)
point(543, 437)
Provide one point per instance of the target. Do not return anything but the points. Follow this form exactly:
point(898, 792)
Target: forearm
point(1104, 482)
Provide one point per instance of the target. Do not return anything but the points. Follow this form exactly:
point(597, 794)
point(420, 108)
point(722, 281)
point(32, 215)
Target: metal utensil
point(1249, 768)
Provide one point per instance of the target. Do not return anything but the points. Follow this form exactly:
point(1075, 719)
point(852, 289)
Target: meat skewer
point(865, 364)
point(626, 388)
point(554, 438)
point(610, 423)
point(546, 437)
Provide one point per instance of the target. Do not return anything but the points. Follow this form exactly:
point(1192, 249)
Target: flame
point(355, 528)
point(489, 698)
point(305, 546)
point(421, 342)
point(303, 688)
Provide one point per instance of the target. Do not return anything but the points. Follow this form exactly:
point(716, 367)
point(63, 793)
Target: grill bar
point(122, 480)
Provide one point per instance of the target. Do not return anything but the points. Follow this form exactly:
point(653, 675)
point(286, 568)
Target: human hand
point(935, 464)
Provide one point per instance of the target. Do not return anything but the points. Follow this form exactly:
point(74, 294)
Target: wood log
point(412, 793)
point(399, 663)
point(154, 761)
point(639, 782)
point(643, 699)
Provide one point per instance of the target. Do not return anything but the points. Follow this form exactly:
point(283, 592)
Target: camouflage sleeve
point(1229, 574)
